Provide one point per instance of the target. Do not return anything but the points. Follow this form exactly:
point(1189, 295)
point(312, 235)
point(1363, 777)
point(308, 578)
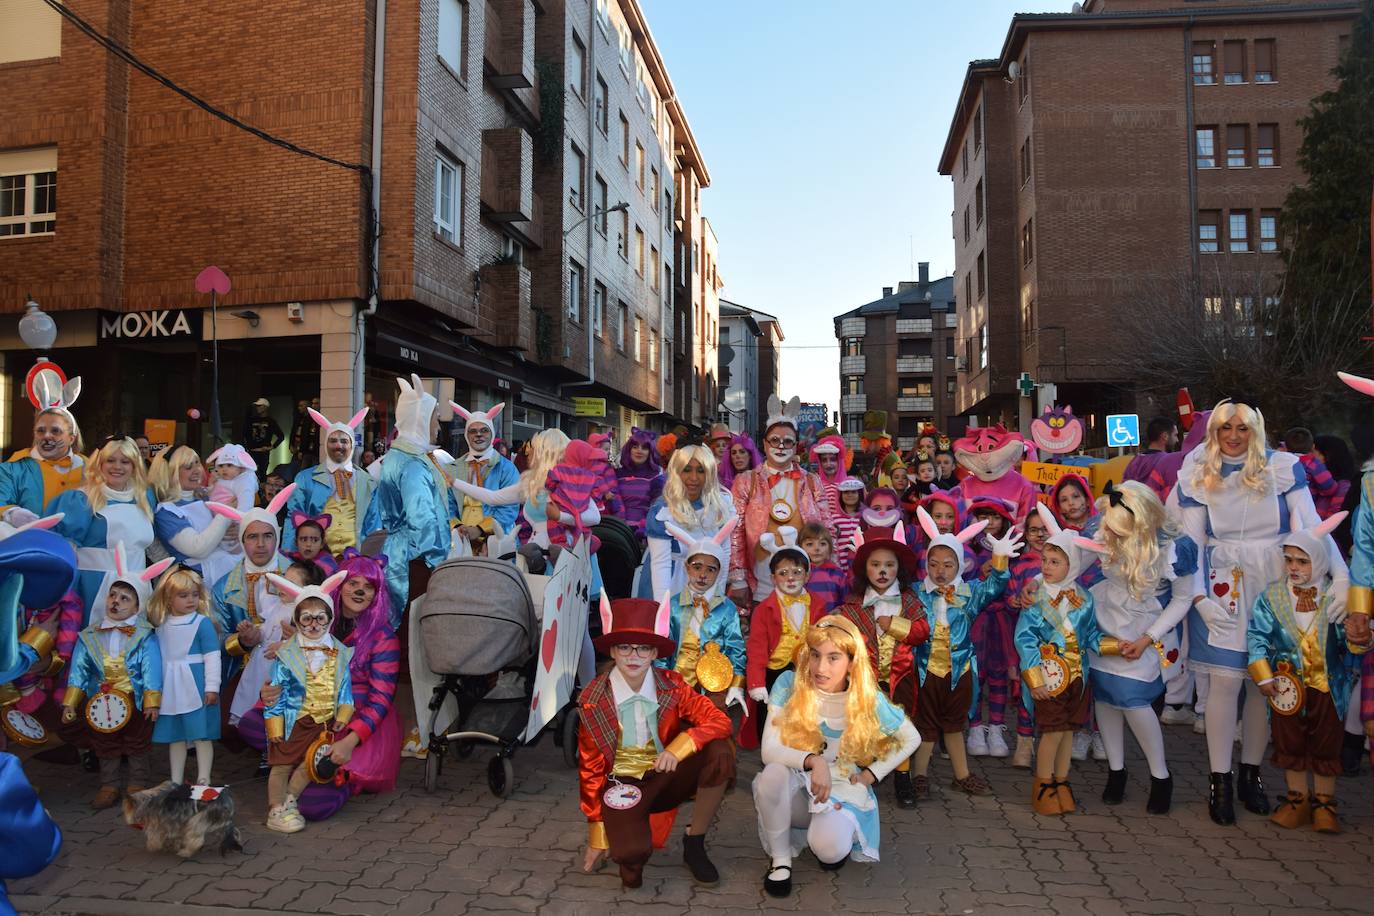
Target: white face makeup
point(780, 446)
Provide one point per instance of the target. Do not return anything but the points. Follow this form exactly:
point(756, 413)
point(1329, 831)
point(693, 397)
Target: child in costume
point(947, 513)
point(831, 735)
point(828, 581)
point(1021, 592)
point(1071, 501)
point(275, 628)
point(1301, 660)
point(311, 535)
point(945, 662)
point(881, 514)
point(118, 656)
point(992, 640)
point(312, 670)
point(647, 742)
point(235, 484)
point(887, 613)
point(190, 651)
point(779, 622)
point(830, 461)
point(1053, 634)
point(848, 519)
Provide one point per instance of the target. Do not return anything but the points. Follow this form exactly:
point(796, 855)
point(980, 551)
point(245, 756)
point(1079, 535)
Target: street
point(463, 851)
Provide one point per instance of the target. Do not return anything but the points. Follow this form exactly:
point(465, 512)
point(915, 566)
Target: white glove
point(18, 516)
point(1006, 545)
point(734, 697)
point(1336, 611)
point(758, 694)
point(1214, 615)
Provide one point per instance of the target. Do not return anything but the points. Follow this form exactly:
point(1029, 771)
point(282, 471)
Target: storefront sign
point(589, 407)
point(161, 323)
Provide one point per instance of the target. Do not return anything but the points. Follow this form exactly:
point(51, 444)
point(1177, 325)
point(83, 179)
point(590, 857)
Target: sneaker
point(281, 820)
point(1098, 748)
point(997, 741)
point(1081, 742)
point(1025, 750)
point(1177, 715)
point(1200, 725)
point(978, 741)
point(972, 785)
point(412, 747)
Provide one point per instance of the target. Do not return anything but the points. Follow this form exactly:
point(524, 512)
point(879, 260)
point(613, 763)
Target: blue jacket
point(1362, 529)
point(21, 484)
point(501, 473)
point(315, 486)
point(969, 602)
point(142, 658)
point(30, 839)
point(289, 673)
point(1272, 638)
point(720, 625)
point(416, 504)
point(1035, 628)
point(229, 604)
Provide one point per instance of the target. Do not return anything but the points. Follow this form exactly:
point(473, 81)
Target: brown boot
point(1294, 810)
point(1323, 810)
point(1067, 803)
point(1045, 796)
point(105, 798)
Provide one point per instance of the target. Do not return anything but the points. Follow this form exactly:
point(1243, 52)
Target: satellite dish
point(1077, 8)
point(1013, 70)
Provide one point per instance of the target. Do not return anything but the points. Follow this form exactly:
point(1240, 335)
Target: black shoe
point(1352, 752)
point(89, 762)
point(781, 887)
point(833, 866)
point(1219, 804)
point(1250, 790)
point(263, 770)
point(906, 792)
point(1115, 792)
point(1161, 795)
point(694, 854)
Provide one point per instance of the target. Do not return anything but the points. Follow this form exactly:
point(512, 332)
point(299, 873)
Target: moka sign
point(157, 324)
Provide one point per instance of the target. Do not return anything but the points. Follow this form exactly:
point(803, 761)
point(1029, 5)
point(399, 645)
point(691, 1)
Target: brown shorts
point(1064, 713)
point(134, 738)
point(292, 749)
point(904, 695)
point(940, 710)
point(1310, 739)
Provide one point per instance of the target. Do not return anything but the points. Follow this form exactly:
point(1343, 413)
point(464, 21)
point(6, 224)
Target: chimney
point(887, 291)
point(924, 275)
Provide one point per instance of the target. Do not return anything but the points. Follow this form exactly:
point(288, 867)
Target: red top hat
point(635, 622)
point(882, 541)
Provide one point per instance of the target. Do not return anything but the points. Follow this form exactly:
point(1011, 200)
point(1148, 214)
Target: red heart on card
point(1220, 589)
point(558, 604)
point(534, 703)
point(1172, 656)
point(550, 641)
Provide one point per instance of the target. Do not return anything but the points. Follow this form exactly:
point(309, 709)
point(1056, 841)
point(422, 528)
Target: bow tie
point(1307, 599)
point(129, 631)
point(773, 479)
point(882, 599)
point(342, 480)
point(327, 650)
point(702, 603)
point(1071, 594)
point(946, 591)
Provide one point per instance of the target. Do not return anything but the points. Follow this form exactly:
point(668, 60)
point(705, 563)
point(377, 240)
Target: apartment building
point(897, 354)
point(1109, 154)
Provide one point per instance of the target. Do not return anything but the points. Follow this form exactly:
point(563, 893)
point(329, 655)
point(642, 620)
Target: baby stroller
point(479, 631)
point(618, 557)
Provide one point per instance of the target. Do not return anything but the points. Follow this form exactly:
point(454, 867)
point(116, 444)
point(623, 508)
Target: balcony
point(507, 65)
point(906, 443)
point(507, 189)
point(851, 442)
point(852, 365)
point(917, 364)
point(913, 326)
point(951, 320)
point(854, 327)
point(505, 305)
point(530, 232)
point(853, 403)
point(915, 405)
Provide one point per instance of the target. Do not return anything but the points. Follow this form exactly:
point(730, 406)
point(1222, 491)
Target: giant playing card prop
point(567, 600)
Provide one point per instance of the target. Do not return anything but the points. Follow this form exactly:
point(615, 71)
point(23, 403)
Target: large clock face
point(1287, 700)
point(108, 712)
point(1056, 675)
point(23, 728)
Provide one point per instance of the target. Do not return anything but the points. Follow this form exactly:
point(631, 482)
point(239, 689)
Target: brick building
point(1111, 154)
point(496, 257)
point(897, 354)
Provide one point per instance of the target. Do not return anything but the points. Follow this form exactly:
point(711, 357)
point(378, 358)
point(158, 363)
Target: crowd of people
point(843, 616)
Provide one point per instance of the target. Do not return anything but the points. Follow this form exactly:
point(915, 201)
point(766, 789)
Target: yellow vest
point(688, 652)
point(319, 691)
point(634, 762)
point(116, 672)
point(342, 532)
point(940, 664)
point(786, 649)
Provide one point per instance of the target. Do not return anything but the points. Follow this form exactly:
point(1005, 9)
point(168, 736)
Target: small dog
point(177, 820)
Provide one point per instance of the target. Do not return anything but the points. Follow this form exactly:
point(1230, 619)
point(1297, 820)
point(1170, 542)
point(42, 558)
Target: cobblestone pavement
point(461, 850)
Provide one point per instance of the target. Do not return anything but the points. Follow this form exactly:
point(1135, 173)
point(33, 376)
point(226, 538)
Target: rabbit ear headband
point(329, 426)
point(717, 546)
point(140, 582)
point(296, 593)
point(267, 516)
point(485, 418)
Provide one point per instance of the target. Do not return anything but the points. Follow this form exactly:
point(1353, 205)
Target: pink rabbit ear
point(680, 536)
point(665, 614)
point(228, 512)
point(460, 410)
point(899, 533)
point(606, 624)
point(496, 411)
point(213, 456)
point(157, 569)
point(1331, 524)
point(1083, 543)
point(358, 418)
point(971, 532)
point(927, 523)
point(280, 499)
point(288, 589)
point(320, 419)
point(726, 530)
point(120, 562)
point(42, 524)
point(1047, 519)
point(1362, 385)
point(331, 585)
point(857, 540)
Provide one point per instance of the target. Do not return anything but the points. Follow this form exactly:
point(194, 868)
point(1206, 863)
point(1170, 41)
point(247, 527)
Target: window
point(448, 195)
point(624, 141)
point(1234, 61)
point(639, 165)
point(968, 287)
point(1027, 242)
point(639, 338)
point(603, 13)
point(627, 49)
point(1206, 147)
point(964, 156)
point(982, 275)
point(1265, 60)
point(1237, 146)
point(1208, 228)
point(978, 203)
point(598, 308)
point(624, 242)
point(950, 386)
point(600, 204)
point(983, 346)
point(949, 346)
point(966, 224)
point(654, 271)
point(977, 131)
point(1211, 307)
point(1269, 230)
point(853, 384)
point(28, 192)
point(577, 182)
point(652, 341)
point(32, 31)
point(1025, 161)
point(1240, 230)
point(653, 188)
point(1027, 316)
point(1023, 81)
point(622, 318)
point(639, 251)
point(853, 346)
point(453, 35)
point(574, 291)
point(1204, 63)
point(577, 68)
point(1267, 153)
point(603, 107)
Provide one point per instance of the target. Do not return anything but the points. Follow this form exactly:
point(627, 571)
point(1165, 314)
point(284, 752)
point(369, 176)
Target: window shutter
point(1235, 57)
point(1264, 56)
point(1235, 136)
point(1267, 138)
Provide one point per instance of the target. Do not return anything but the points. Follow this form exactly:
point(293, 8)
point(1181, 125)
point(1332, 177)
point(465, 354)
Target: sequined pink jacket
point(753, 505)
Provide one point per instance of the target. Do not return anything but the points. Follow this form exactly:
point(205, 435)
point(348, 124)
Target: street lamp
point(623, 205)
point(37, 329)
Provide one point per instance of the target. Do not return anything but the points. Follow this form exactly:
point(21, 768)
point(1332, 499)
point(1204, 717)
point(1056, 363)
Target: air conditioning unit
point(961, 364)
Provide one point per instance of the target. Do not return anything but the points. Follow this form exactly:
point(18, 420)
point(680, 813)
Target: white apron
point(124, 522)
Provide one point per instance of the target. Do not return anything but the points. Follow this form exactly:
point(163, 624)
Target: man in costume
point(335, 488)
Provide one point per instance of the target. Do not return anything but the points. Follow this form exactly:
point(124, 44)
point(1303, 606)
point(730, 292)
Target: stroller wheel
point(433, 766)
point(568, 734)
point(463, 747)
point(500, 776)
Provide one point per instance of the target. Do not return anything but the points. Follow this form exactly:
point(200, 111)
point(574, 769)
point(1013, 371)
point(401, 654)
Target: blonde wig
point(179, 579)
point(799, 722)
point(78, 446)
point(165, 472)
point(1131, 533)
point(1253, 474)
point(546, 450)
point(94, 487)
point(715, 511)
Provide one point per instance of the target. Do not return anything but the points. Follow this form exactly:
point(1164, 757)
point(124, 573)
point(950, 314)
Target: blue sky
point(821, 124)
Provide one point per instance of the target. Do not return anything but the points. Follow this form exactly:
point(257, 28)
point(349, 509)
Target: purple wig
point(727, 467)
point(649, 468)
point(373, 622)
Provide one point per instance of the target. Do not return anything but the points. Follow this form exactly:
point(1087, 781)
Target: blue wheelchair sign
point(1123, 430)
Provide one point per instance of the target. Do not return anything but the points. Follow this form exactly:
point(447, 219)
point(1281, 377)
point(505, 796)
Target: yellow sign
point(160, 433)
point(1047, 475)
point(589, 407)
point(1098, 474)
point(1109, 471)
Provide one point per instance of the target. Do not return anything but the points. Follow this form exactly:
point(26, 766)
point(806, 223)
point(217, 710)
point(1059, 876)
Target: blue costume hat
point(37, 568)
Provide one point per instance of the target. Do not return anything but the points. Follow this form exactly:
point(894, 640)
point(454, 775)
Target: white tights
point(1222, 700)
point(205, 758)
point(1112, 722)
point(783, 804)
